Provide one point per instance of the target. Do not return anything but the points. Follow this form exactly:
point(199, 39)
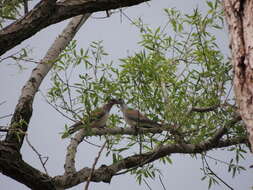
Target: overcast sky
point(119, 37)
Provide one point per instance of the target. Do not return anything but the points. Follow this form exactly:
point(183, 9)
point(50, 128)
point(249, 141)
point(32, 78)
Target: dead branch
point(43, 163)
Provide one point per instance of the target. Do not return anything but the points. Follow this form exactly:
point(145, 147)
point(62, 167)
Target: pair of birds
point(98, 118)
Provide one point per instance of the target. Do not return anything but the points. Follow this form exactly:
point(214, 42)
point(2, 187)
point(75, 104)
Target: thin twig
point(6, 129)
point(161, 181)
point(3, 102)
point(66, 106)
point(212, 172)
point(53, 106)
point(229, 91)
point(93, 166)
point(145, 181)
point(3, 129)
point(43, 163)
point(25, 6)
point(10, 56)
point(223, 162)
point(92, 143)
point(9, 115)
point(68, 90)
point(132, 22)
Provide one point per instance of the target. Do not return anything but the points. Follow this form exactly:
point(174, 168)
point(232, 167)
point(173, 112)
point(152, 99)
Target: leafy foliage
point(10, 10)
point(180, 67)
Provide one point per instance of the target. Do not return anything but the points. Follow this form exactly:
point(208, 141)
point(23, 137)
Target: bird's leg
point(139, 137)
point(179, 137)
point(136, 130)
point(102, 127)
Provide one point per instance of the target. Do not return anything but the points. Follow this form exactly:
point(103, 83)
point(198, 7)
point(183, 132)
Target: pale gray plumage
point(134, 118)
point(96, 119)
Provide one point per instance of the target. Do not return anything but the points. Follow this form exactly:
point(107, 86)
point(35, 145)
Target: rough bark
point(12, 165)
point(48, 12)
point(239, 16)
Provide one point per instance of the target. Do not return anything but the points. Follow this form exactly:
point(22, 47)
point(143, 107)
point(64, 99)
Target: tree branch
point(10, 158)
point(204, 109)
point(23, 110)
point(155, 130)
point(43, 163)
point(105, 173)
point(94, 165)
point(69, 165)
point(12, 165)
point(123, 131)
point(48, 12)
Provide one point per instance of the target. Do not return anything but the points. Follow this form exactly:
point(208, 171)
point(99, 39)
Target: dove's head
point(121, 103)
point(113, 101)
point(109, 104)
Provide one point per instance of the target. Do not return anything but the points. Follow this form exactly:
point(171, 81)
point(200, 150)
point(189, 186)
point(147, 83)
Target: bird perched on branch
point(134, 118)
point(96, 119)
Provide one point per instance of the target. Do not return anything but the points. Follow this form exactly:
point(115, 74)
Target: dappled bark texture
point(239, 16)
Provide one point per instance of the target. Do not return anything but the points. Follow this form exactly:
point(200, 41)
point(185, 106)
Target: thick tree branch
point(12, 165)
point(105, 173)
point(22, 29)
point(47, 12)
point(220, 132)
point(78, 138)
point(23, 110)
point(69, 165)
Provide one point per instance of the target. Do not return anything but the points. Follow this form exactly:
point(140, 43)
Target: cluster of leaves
point(179, 68)
point(10, 10)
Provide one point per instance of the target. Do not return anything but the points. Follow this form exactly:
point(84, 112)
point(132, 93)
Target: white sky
point(119, 38)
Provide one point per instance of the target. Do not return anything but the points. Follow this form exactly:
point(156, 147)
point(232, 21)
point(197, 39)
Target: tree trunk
point(239, 16)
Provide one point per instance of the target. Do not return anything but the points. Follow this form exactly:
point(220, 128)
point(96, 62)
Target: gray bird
point(96, 119)
point(134, 118)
